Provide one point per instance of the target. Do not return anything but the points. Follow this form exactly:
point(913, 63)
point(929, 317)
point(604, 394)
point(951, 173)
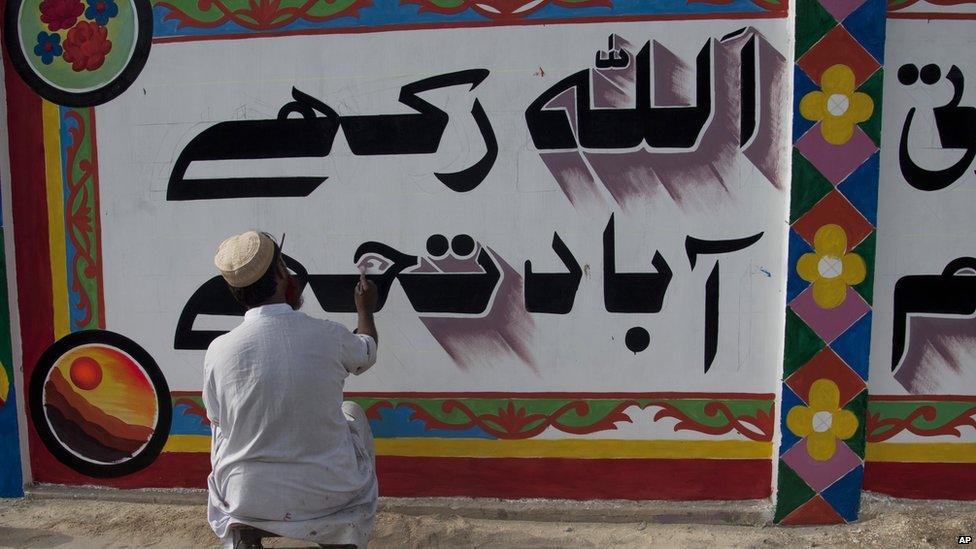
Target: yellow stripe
point(51, 119)
point(187, 443)
point(576, 449)
point(926, 452)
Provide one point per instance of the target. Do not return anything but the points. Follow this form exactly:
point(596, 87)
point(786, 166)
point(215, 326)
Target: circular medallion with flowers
point(78, 52)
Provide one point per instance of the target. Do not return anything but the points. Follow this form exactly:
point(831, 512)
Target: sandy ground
point(43, 522)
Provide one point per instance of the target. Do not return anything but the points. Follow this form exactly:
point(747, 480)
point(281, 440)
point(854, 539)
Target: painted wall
point(577, 230)
point(922, 413)
point(610, 246)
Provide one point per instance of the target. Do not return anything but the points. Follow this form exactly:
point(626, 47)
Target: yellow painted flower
point(823, 422)
point(838, 107)
point(830, 268)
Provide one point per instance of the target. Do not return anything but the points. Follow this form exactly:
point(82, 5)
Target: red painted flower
point(86, 46)
point(61, 14)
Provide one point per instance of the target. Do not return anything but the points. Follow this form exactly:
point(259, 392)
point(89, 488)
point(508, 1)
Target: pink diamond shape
point(840, 9)
point(821, 474)
point(829, 323)
point(835, 162)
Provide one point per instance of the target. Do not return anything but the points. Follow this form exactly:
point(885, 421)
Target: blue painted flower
point(100, 11)
point(48, 47)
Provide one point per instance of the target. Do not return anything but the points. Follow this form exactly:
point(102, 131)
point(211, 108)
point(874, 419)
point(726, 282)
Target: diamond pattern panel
point(821, 472)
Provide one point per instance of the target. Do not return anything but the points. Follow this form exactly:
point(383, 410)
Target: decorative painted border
point(922, 416)
point(488, 445)
point(71, 168)
point(921, 469)
point(183, 20)
point(522, 416)
point(837, 107)
point(54, 196)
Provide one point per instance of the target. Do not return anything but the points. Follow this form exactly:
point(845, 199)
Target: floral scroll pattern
point(524, 418)
point(257, 15)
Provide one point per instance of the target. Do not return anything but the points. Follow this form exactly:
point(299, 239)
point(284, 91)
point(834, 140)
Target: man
point(288, 455)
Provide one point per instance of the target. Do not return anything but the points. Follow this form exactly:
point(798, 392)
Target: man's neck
point(273, 301)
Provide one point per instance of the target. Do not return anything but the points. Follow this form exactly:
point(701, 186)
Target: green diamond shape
point(858, 406)
point(791, 491)
point(873, 86)
point(866, 250)
point(808, 186)
point(812, 23)
point(801, 343)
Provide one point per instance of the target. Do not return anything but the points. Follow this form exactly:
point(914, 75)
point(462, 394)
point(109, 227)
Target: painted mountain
point(100, 404)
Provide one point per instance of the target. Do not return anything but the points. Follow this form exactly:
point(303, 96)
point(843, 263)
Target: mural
point(504, 291)
point(921, 424)
point(582, 217)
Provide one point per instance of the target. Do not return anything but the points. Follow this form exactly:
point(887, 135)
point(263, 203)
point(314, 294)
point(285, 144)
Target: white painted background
point(157, 253)
point(919, 232)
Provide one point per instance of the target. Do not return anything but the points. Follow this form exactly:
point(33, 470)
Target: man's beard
point(293, 294)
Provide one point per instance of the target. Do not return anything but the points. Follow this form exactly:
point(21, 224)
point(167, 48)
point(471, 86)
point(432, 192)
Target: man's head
point(254, 269)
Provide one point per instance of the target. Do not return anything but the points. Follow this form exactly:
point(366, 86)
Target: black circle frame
point(103, 94)
point(164, 406)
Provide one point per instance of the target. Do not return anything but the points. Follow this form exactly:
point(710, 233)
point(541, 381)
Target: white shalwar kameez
point(288, 455)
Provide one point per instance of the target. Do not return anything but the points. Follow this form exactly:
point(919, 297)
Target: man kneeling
point(288, 455)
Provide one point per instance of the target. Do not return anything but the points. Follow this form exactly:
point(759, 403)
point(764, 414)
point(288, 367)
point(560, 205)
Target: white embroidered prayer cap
point(244, 258)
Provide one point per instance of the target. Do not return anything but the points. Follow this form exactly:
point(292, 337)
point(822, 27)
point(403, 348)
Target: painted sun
point(100, 404)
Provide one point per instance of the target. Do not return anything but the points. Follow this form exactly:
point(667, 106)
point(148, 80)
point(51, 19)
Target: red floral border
point(880, 430)
point(261, 15)
point(514, 423)
point(81, 219)
point(762, 423)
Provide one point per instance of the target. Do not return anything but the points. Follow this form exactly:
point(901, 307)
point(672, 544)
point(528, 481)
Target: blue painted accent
point(861, 188)
point(795, 284)
point(863, 25)
point(789, 401)
point(11, 479)
point(854, 346)
point(393, 12)
point(802, 85)
point(845, 494)
point(187, 424)
point(396, 423)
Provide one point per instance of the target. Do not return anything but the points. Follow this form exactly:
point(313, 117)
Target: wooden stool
point(248, 537)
